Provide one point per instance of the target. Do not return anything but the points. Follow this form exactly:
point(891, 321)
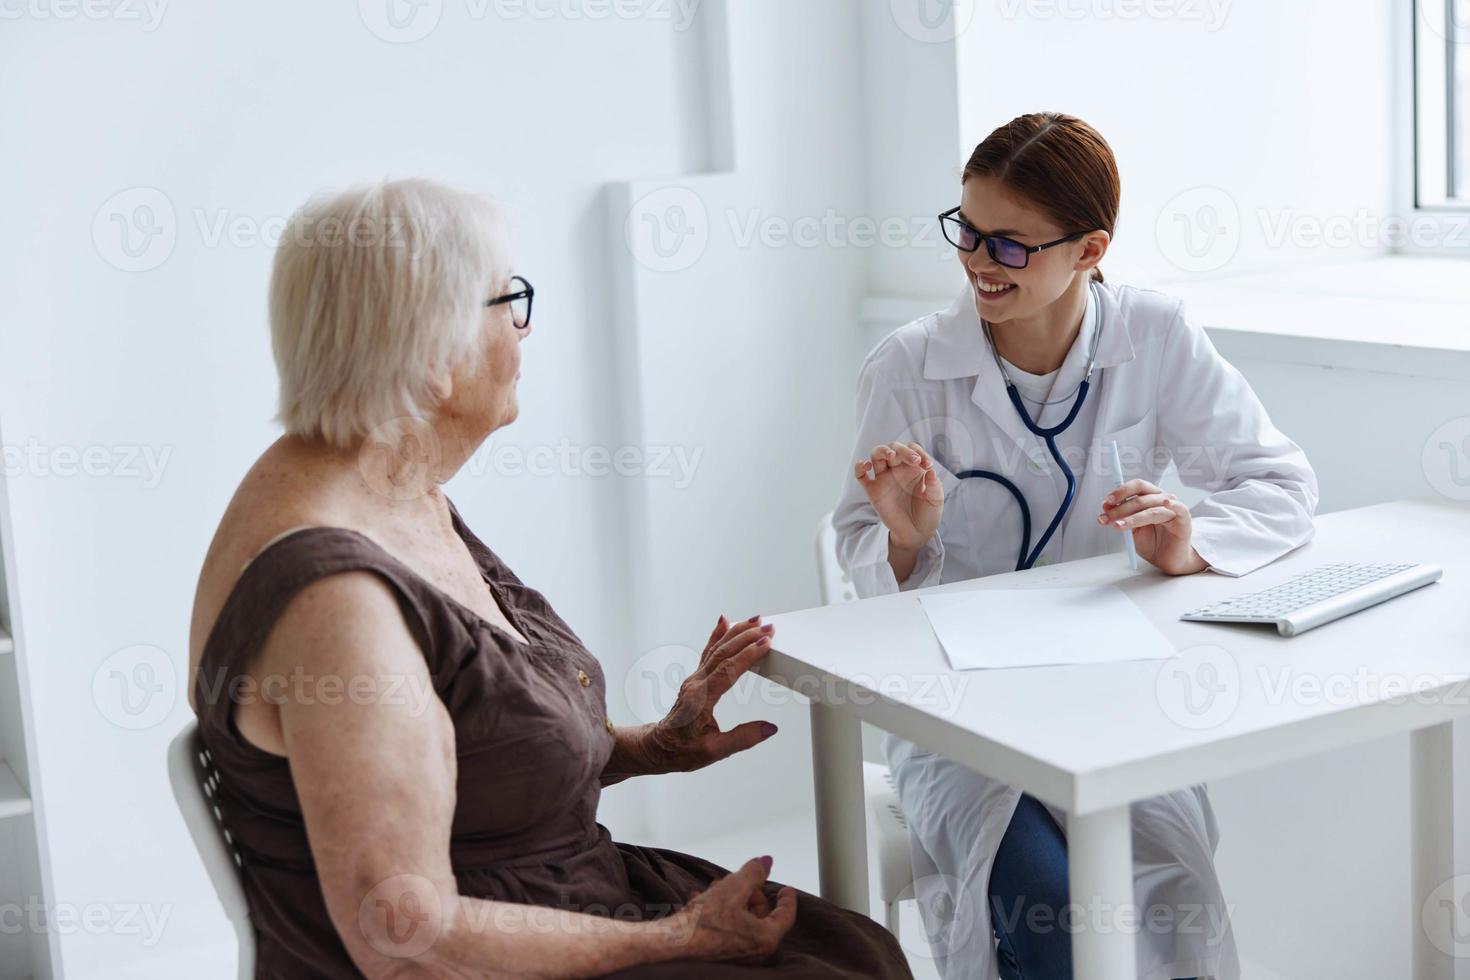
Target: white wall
point(1239, 127)
point(741, 347)
point(912, 149)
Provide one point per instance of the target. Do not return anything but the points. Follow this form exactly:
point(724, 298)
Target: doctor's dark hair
point(1057, 162)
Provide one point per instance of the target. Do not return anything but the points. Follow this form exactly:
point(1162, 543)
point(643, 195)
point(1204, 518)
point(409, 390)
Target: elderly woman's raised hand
point(689, 737)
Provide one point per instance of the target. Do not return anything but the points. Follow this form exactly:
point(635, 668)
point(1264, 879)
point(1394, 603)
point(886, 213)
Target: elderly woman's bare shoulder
point(282, 492)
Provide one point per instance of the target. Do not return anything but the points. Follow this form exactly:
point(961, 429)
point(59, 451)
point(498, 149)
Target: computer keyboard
point(1320, 596)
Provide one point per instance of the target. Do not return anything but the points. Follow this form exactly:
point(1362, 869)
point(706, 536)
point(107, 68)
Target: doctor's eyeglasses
point(1005, 251)
point(519, 299)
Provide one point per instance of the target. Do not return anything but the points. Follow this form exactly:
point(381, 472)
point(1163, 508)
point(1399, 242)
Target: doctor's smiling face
point(1043, 179)
point(1003, 293)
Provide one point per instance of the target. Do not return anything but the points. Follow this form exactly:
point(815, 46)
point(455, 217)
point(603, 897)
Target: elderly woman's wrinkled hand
point(689, 737)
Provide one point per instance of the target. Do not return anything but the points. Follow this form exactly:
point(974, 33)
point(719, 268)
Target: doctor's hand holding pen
point(1159, 522)
point(903, 488)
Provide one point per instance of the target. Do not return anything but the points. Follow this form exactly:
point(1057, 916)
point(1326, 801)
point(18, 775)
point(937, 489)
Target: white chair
point(888, 832)
point(196, 790)
point(835, 583)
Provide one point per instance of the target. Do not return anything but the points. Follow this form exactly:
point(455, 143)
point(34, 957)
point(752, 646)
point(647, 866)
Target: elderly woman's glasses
point(1004, 251)
point(519, 300)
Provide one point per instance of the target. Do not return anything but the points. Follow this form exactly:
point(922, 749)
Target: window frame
point(1433, 56)
point(1437, 223)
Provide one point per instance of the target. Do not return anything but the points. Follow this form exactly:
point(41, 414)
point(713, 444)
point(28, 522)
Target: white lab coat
point(1160, 390)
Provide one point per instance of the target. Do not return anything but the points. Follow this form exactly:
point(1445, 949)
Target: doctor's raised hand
point(1159, 522)
point(903, 488)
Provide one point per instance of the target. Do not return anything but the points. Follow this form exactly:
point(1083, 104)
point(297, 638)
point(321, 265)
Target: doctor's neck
point(1038, 343)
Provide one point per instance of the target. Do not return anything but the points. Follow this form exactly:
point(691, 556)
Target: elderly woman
point(411, 742)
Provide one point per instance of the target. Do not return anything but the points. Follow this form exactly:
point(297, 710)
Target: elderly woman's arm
point(376, 780)
point(690, 738)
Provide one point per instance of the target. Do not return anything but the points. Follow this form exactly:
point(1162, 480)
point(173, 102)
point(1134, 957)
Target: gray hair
point(376, 291)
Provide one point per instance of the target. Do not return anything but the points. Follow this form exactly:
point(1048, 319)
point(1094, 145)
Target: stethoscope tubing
point(1027, 557)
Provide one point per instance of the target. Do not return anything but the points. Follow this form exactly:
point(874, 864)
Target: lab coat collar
point(957, 348)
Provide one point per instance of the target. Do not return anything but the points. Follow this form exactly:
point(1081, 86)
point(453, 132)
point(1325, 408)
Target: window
point(1442, 104)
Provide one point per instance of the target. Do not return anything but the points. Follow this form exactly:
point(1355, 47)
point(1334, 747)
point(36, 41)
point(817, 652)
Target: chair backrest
point(195, 782)
point(836, 584)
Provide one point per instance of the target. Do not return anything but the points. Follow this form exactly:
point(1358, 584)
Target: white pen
point(1127, 534)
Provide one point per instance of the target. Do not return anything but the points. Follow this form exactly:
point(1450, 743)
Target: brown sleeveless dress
point(531, 738)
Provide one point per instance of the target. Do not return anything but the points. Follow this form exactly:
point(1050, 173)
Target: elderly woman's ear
point(441, 383)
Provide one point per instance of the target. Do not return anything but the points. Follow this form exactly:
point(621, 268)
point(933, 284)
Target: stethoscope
point(1028, 557)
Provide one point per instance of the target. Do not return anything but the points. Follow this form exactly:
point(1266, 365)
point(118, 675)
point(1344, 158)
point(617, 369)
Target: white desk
point(1093, 739)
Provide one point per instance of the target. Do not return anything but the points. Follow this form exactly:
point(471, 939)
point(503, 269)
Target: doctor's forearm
point(902, 560)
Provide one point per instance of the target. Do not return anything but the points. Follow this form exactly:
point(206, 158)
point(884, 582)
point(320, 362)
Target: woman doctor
point(963, 417)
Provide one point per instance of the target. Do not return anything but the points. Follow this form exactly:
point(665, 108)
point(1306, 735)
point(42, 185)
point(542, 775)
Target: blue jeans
point(1028, 893)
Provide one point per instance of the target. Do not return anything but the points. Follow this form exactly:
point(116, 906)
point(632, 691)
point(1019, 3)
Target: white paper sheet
point(990, 628)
